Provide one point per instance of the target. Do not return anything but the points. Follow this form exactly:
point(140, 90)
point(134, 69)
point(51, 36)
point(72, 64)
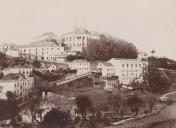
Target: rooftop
point(41, 44)
point(123, 59)
point(107, 64)
point(75, 61)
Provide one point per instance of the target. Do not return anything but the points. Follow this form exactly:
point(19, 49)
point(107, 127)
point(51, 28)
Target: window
point(131, 65)
point(122, 65)
point(127, 65)
point(58, 48)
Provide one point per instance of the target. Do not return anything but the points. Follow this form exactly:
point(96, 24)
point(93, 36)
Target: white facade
point(24, 70)
point(107, 69)
point(48, 52)
point(78, 39)
point(127, 69)
point(21, 87)
point(47, 47)
point(82, 66)
point(52, 67)
point(12, 53)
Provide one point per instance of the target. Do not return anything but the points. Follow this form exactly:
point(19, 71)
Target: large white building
point(18, 84)
point(47, 52)
point(78, 39)
point(127, 70)
point(23, 70)
point(47, 47)
point(82, 66)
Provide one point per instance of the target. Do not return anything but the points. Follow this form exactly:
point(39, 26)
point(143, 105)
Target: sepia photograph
point(87, 63)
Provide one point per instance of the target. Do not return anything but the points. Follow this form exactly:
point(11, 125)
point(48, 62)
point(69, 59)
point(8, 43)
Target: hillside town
point(51, 74)
point(57, 71)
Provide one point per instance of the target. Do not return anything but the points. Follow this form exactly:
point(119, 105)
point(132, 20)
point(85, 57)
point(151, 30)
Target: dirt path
point(165, 119)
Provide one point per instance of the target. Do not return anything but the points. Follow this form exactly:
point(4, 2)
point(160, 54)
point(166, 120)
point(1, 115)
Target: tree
point(150, 100)
point(36, 63)
point(158, 80)
point(56, 119)
point(8, 108)
point(74, 57)
point(10, 95)
point(35, 109)
point(134, 102)
point(118, 103)
point(153, 52)
point(83, 103)
point(108, 47)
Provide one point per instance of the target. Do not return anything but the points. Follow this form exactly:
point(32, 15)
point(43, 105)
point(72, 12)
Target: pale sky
point(149, 24)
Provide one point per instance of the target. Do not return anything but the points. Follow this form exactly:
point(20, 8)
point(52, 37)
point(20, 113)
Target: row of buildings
point(50, 47)
point(20, 81)
point(53, 48)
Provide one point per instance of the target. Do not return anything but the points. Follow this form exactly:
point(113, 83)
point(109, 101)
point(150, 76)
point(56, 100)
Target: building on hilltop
point(46, 47)
point(19, 85)
point(46, 52)
point(78, 39)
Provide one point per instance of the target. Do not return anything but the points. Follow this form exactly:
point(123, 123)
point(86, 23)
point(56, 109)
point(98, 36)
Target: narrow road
point(165, 119)
point(167, 94)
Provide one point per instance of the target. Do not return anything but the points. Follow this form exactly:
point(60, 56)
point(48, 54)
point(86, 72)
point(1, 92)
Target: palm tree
point(153, 52)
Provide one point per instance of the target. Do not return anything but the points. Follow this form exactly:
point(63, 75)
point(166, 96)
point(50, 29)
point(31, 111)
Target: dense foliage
point(108, 47)
point(6, 61)
point(56, 119)
point(162, 63)
point(83, 103)
point(158, 80)
point(8, 107)
point(74, 57)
